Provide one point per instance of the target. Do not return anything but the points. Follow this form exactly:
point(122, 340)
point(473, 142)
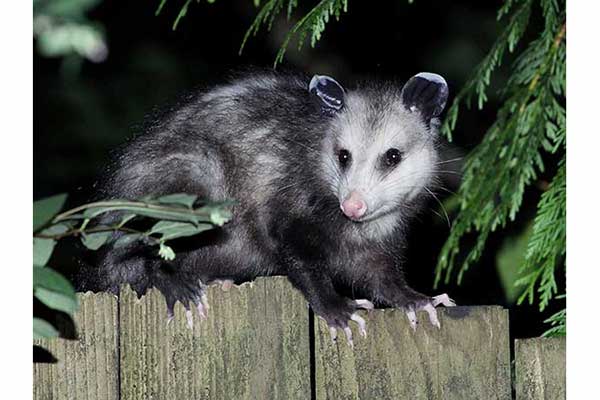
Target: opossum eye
point(344, 157)
point(426, 93)
point(327, 92)
point(392, 157)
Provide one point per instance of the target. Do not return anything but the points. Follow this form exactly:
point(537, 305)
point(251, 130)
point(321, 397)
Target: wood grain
point(87, 368)
point(540, 369)
point(468, 358)
point(254, 345)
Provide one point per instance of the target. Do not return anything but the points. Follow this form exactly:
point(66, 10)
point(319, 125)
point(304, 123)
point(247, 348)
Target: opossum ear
point(327, 91)
point(426, 93)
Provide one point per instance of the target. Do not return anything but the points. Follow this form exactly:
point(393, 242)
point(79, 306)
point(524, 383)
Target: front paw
point(428, 305)
point(339, 313)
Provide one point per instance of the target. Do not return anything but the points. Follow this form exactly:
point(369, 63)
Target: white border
point(16, 164)
point(582, 165)
point(583, 266)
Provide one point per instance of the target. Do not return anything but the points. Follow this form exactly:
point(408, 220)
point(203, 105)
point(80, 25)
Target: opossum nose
point(354, 206)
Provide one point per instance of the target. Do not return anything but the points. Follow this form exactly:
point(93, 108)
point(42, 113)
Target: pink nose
point(354, 206)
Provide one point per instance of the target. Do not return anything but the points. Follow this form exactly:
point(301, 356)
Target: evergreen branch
point(498, 171)
point(482, 75)
point(314, 23)
point(546, 247)
point(266, 16)
point(182, 13)
point(558, 321)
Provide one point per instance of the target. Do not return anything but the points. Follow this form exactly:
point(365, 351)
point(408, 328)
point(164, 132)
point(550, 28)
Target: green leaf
point(42, 250)
point(183, 199)
point(218, 212)
point(43, 247)
point(45, 209)
point(54, 290)
point(171, 230)
point(166, 252)
point(95, 240)
point(65, 8)
point(43, 329)
point(57, 229)
point(127, 239)
point(126, 219)
point(156, 212)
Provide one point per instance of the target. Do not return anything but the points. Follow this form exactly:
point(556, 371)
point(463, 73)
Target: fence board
point(87, 368)
point(468, 358)
point(540, 369)
point(254, 345)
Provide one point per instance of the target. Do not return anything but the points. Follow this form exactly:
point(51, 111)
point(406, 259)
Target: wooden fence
point(260, 342)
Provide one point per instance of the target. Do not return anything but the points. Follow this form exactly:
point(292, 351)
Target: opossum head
point(380, 154)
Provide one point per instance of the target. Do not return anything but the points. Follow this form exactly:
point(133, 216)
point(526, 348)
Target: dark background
point(80, 116)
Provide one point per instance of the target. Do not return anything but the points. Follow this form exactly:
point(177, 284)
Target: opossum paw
point(429, 308)
point(341, 318)
point(191, 297)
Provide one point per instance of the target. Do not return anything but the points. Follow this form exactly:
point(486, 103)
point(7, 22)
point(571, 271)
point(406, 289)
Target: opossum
point(325, 179)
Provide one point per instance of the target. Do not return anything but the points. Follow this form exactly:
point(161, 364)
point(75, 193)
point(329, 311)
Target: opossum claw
point(190, 319)
point(442, 299)
point(333, 333)
point(348, 333)
point(204, 301)
point(363, 303)
point(170, 316)
point(201, 311)
point(412, 318)
point(430, 309)
point(362, 325)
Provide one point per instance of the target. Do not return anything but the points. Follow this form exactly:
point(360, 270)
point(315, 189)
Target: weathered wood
point(540, 372)
point(87, 368)
point(254, 345)
point(468, 358)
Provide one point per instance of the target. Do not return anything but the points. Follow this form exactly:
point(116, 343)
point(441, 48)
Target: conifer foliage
point(529, 132)
point(528, 138)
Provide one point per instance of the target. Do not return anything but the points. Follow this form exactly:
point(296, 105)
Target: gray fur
point(266, 142)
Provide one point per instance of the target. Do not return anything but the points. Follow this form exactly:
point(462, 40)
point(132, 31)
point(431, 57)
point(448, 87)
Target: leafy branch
point(176, 216)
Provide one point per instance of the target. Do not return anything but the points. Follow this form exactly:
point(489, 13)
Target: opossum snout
point(354, 207)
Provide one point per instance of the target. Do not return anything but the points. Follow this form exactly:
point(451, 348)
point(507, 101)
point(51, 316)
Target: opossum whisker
point(449, 161)
point(441, 205)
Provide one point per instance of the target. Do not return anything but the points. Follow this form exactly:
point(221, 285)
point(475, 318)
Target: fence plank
point(469, 358)
point(254, 345)
point(540, 369)
point(87, 368)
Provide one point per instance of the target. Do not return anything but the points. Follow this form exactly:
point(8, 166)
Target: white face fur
point(382, 158)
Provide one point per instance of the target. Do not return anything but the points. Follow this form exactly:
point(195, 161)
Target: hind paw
point(192, 297)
